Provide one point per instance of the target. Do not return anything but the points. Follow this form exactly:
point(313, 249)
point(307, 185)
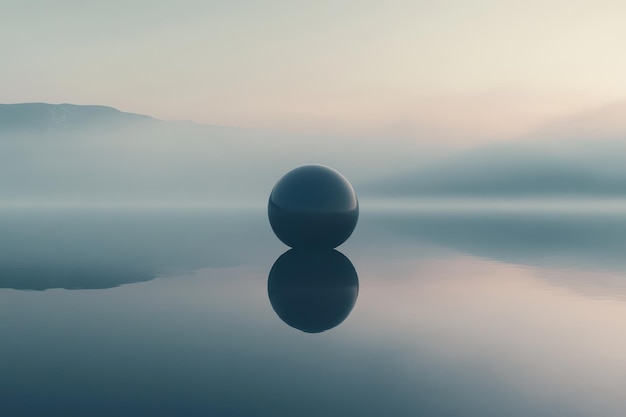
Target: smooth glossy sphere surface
point(313, 290)
point(313, 206)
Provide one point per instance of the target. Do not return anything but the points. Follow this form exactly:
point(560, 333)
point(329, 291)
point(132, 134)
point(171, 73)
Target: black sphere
point(313, 206)
point(313, 290)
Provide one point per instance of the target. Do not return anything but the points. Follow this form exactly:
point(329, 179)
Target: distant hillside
point(97, 153)
point(510, 171)
point(52, 117)
point(72, 153)
point(581, 155)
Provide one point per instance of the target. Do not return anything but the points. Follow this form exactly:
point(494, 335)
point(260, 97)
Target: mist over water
point(139, 275)
point(171, 162)
point(96, 155)
point(163, 309)
point(153, 266)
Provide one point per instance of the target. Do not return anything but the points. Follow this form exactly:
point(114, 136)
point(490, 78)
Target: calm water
point(475, 311)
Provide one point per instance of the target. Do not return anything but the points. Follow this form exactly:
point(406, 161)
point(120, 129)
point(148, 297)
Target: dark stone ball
point(313, 290)
point(313, 206)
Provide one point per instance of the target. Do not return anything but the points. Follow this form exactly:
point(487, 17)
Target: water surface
point(466, 312)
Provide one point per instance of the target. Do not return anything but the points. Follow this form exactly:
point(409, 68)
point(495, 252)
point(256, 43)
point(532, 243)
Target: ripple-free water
point(166, 312)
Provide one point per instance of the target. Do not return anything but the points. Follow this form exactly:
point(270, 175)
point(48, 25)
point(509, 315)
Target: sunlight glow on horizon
point(455, 71)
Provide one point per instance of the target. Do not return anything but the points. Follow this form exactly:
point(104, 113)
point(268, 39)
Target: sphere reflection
point(313, 206)
point(313, 290)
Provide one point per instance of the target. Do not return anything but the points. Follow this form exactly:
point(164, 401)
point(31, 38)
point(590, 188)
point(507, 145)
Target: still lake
point(459, 309)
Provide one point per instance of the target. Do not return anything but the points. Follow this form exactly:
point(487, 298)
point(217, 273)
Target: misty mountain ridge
point(582, 155)
point(47, 156)
point(510, 173)
point(58, 117)
point(130, 157)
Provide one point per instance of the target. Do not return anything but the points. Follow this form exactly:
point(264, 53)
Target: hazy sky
point(473, 68)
